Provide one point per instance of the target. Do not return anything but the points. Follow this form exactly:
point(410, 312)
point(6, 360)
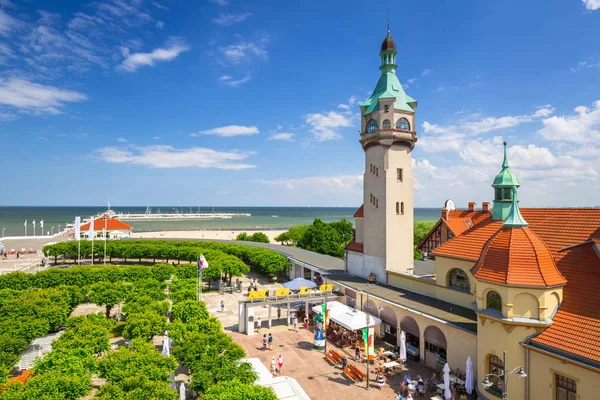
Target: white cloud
point(26, 95)
point(245, 51)
point(583, 127)
point(121, 140)
point(160, 6)
point(170, 157)
point(283, 136)
point(160, 24)
point(325, 126)
point(175, 46)
point(426, 72)
point(8, 23)
point(222, 3)
point(229, 131)
point(591, 4)
point(156, 138)
point(330, 184)
point(229, 81)
point(231, 19)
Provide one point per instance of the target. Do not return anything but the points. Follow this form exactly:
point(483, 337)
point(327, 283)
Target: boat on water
point(274, 216)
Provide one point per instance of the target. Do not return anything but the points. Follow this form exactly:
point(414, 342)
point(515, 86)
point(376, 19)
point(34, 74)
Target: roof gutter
point(561, 357)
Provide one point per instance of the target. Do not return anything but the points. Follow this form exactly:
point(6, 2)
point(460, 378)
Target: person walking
point(270, 340)
point(280, 363)
point(278, 312)
point(222, 306)
point(295, 323)
point(264, 342)
point(258, 324)
point(273, 369)
point(344, 362)
point(357, 353)
point(306, 322)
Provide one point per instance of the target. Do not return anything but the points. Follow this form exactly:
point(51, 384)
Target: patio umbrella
point(469, 379)
point(403, 346)
point(166, 344)
point(297, 283)
point(182, 391)
point(447, 392)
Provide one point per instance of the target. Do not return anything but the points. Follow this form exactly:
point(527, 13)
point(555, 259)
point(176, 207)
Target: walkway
point(314, 373)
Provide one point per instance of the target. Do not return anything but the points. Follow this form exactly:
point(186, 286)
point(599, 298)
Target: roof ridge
point(535, 253)
point(510, 241)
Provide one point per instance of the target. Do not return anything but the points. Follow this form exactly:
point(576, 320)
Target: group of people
point(277, 367)
point(267, 342)
point(341, 335)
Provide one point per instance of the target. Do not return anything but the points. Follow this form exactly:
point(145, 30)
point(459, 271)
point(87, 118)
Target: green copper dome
point(388, 86)
point(515, 219)
point(505, 178)
point(505, 184)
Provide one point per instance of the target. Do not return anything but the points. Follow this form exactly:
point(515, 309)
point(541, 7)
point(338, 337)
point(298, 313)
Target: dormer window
point(403, 124)
point(387, 124)
point(372, 126)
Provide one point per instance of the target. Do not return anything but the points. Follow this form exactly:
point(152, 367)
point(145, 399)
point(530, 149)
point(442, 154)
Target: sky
point(255, 103)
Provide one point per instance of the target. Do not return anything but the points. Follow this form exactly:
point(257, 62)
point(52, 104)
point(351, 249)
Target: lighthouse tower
point(384, 228)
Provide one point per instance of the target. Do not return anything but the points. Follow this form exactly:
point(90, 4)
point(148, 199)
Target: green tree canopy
point(237, 390)
point(108, 294)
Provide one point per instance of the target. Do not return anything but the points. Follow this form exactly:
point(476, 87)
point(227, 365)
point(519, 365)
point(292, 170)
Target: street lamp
point(504, 377)
point(3, 229)
point(52, 231)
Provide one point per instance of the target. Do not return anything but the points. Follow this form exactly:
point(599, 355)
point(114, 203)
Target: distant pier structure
point(175, 215)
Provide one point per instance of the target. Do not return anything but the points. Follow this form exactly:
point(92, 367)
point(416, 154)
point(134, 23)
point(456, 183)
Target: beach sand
point(207, 234)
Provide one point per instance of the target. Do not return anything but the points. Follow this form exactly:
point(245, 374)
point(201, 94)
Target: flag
point(33, 223)
point(78, 228)
point(25, 224)
point(41, 223)
point(324, 311)
point(202, 263)
point(91, 231)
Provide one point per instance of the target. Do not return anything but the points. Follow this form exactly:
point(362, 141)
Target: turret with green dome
point(503, 186)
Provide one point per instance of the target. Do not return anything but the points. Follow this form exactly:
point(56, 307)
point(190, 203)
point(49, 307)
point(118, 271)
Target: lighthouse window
point(387, 124)
point(372, 126)
point(403, 124)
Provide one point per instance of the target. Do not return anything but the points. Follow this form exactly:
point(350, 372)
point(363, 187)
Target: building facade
point(512, 283)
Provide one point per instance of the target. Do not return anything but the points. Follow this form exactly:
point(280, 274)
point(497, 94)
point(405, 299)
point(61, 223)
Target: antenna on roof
point(388, 22)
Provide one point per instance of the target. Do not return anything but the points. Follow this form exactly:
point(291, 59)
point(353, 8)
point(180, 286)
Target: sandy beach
point(208, 234)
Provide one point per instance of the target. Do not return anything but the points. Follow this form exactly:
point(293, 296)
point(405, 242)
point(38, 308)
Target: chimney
point(471, 206)
point(485, 206)
point(445, 213)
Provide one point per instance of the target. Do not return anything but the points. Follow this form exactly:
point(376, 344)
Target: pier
point(176, 216)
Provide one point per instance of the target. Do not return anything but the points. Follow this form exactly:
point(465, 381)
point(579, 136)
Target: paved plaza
point(317, 376)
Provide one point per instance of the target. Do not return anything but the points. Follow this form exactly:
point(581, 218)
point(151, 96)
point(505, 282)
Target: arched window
point(387, 124)
point(496, 367)
point(372, 126)
point(493, 301)
point(403, 124)
point(458, 279)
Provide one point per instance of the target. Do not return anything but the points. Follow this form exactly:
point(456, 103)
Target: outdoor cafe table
point(455, 379)
point(389, 354)
point(391, 364)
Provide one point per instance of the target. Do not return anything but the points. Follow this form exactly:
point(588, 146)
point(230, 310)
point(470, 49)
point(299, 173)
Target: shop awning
point(351, 318)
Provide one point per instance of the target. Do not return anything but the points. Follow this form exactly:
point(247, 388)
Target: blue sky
point(228, 102)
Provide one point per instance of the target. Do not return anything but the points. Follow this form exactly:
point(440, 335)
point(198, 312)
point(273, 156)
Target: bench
point(361, 375)
point(348, 372)
point(331, 359)
point(336, 355)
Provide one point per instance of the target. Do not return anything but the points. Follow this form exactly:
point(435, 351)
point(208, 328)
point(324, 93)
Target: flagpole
point(92, 233)
point(25, 227)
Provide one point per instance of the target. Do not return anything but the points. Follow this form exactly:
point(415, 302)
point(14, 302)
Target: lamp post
point(504, 377)
point(52, 231)
point(3, 229)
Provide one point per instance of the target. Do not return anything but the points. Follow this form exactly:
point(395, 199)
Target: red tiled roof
point(112, 224)
point(355, 246)
point(359, 212)
point(517, 256)
point(576, 325)
point(557, 227)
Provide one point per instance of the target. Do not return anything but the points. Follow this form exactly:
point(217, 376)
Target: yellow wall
point(542, 371)
point(429, 287)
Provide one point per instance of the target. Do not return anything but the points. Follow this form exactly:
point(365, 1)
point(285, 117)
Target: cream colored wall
point(493, 338)
point(460, 343)
point(542, 372)
point(359, 229)
point(521, 302)
point(443, 266)
point(374, 217)
point(429, 288)
point(399, 228)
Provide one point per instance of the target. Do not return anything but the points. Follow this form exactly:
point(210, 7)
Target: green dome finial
point(505, 163)
point(515, 219)
point(503, 184)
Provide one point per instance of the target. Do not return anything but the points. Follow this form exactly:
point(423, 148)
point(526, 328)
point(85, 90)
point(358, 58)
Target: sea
point(13, 218)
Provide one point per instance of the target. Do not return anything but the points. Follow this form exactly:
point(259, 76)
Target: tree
point(344, 228)
point(259, 237)
point(296, 233)
point(322, 238)
point(421, 229)
point(144, 325)
point(284, 238)
point(242, 236)
point(108, 294)
point(238, 391)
